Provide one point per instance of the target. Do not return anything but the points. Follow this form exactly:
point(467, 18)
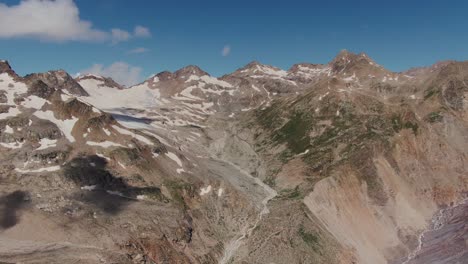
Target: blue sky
point(397, 34)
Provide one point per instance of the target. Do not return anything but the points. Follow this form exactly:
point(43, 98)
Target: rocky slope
point(344, 162)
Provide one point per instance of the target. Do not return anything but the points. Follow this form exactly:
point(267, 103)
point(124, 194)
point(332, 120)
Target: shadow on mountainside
point(10, 206)
point(129, 118)
point(110, 193)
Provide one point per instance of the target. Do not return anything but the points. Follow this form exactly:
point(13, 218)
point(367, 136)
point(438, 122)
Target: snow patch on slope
point(53, 168)
point(33, 102)
point(47, 143)
point(205, 190)
point(104, 144)
point(12, 145)
point(209, 80)
point(66, 126)
point(175, 158)
point(11, 87)
point(12, 112)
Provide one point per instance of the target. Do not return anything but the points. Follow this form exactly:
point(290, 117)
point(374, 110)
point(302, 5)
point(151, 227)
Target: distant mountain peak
point(182, 73)
point(162, 76)
point(344, 52)
point(346, 60)
point(106, 81)
point(5, 67)
point(190, 70)
point(58, 78)
point(89, 76)
point(253, 64)
point(345, 55)
point(258, 65)
point(258, 68)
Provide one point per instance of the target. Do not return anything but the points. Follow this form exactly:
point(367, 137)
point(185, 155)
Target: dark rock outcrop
point(60, 80)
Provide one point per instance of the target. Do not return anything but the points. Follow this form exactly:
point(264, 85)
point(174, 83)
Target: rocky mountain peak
point(6, 68)
point(188, 71)
point(256, 64)
point(252, 64)
point(346, 57)
point(344, 54)
point(171, 78)
point(347, 61)
point(163, 76)
point(256, 69)
point(58, 79)
point(249, 67)
point(104, 81)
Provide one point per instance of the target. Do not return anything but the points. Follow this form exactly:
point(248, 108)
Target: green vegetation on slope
point(178, 189)
point(295, 132)
point(341, 132)
point(434, 117)
point(310, 239)
point(399, 124)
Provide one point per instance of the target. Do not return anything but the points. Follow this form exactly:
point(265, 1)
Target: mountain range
point(345, 162)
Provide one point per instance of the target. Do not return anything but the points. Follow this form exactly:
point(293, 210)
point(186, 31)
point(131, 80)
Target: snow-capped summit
point(256, 69)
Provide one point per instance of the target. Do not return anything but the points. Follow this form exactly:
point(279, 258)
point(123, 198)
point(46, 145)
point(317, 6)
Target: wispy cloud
point(226, 50)
point(119, 35)
point(120, 72)
point(56, 21)
point(141, 32)
point(138, 50)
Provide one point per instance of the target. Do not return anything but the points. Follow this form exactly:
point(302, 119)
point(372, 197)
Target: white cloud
point(120, 72)
point(47, 20)
point(119, 35)
point(226, 50)
point(141, 32)
point(138, 50)
point(56, 21)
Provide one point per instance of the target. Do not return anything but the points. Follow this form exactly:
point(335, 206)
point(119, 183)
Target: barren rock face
point(5, 67)
point(344, 162)
point(58, 80)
